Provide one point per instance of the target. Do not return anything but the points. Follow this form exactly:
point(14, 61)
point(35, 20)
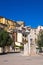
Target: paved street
point(18, 59)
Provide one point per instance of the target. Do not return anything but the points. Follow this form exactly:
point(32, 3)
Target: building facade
point(10, 24)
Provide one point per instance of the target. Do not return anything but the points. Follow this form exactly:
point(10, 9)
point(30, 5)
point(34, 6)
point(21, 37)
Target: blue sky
point(29, 11)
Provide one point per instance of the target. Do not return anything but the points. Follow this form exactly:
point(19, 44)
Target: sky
point(29, 11)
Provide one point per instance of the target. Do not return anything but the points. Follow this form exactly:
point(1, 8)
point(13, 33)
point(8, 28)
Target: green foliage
point(5, 39)
point(21, 47)
point(40, 39)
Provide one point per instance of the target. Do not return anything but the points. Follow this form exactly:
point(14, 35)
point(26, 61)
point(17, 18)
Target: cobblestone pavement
point(17, 59)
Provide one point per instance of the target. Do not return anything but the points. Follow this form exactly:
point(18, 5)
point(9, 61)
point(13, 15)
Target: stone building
point(10, 24)
point(30, 45)
point(13, 28)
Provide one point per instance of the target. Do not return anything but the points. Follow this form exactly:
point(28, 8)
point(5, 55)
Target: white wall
point(19, 37)
point(17, 43)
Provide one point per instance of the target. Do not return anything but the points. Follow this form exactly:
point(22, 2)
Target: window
point(31, 41)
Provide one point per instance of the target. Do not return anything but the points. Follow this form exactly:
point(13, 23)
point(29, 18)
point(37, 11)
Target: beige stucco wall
point(10, 23)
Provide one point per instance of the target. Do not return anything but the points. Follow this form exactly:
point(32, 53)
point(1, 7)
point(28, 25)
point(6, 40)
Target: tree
point(40, 40)
point(5, 39)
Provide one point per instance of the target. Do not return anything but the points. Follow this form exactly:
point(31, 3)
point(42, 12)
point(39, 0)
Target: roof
point(20, 22)
point(7, 19)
